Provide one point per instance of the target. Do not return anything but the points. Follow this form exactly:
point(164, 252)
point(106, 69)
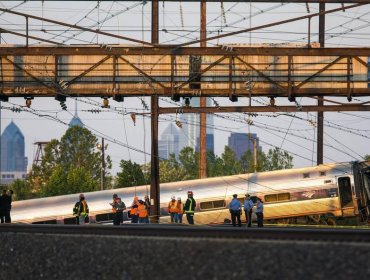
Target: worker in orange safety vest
point(180, 210)
point(134, 215)
point(172, 209)
point(143, 213)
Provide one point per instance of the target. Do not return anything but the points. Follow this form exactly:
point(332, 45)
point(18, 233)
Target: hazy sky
point(348, 134)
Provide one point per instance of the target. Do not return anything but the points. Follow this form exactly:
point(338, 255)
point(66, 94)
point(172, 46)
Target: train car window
point(218, 203)
point(322, 173)
point(104, 217)
point(271, 198)
point(277, 197)
point(206, 205)
point(283, 196)
point(345, 192)
point(69, 221)
point(306, 175)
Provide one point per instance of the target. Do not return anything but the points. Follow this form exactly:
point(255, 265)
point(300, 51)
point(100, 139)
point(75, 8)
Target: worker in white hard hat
point(172, 208)
point(180, 210)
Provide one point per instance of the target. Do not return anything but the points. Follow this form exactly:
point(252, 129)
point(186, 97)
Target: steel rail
point(223, 232)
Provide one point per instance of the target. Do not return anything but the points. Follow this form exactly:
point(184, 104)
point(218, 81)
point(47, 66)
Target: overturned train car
point(336, 193)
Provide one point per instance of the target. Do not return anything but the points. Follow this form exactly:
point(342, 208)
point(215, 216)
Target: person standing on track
point(143, 213)
point(189, 208)
point(134, 215)
point(5, 206)
point(147, 204)
point(259, 212)
point(235, 209)
point(180, 211)
point(248, 206)
point(117, 207)
point(81, 211)
point(172, 209)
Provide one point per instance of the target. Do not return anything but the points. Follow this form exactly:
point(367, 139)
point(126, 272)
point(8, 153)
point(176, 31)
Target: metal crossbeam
point(171, 50)
point(264, 109)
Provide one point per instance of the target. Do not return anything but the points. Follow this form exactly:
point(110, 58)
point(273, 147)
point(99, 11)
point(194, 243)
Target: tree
point(367, 157)
point(131, 174)
point(21, 189)
point(170, 170)
point(214, 165)
point(69, 165)
point(231, 165)
point(277, 159)
point(247, 162)
point(189, 159)
point(78, 148)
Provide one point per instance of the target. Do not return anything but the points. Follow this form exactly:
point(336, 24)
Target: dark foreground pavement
point(64, 256)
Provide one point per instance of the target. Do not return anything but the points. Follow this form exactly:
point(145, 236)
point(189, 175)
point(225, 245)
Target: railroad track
point(223, 232)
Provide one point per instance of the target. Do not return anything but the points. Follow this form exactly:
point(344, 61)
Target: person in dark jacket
point(189, 208)
point(259, 212)
point(2, 212)
point(81, 211)
point(147, 203)
point(5, 206)
point(118, 206)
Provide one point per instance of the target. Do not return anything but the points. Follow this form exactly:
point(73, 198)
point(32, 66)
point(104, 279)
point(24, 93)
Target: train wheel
point(331, 222)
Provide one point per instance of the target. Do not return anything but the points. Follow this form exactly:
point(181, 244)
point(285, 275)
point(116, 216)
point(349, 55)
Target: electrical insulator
point(105, 103)
point(28, 103)
point(133, 117)
point(178, 123)
point(272, 101)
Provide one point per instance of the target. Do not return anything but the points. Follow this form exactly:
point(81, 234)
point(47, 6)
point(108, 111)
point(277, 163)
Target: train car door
point(345, 192)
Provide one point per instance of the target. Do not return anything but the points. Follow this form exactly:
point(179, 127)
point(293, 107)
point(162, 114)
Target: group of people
point(6, 206)
point(140, 209)
point(176, 209)
point(236, 210)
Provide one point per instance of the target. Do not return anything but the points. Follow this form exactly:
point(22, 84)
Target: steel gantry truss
point(185, 70)
point(164, 71)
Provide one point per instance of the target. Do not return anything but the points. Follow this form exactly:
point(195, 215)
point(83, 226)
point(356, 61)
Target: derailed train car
point(331, 194)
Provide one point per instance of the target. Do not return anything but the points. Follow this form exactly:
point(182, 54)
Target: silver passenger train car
point(329, 193)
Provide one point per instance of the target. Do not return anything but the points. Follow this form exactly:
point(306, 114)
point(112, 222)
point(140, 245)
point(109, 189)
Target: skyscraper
point(76, 119)
point(13, 160)
point(169, 142)
point(242, 142)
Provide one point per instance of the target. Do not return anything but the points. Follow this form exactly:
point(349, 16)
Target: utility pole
point(154, 167)
point(203, 100)
point(102, 174)
point(255, 154)
point(320, 101)
point(0, 144)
